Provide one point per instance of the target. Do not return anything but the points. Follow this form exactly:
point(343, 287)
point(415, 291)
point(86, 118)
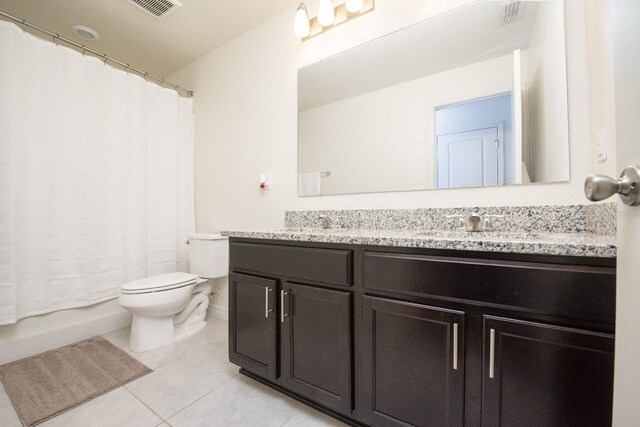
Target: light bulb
point(354, 6)
point(301, 23)
point(326, 13)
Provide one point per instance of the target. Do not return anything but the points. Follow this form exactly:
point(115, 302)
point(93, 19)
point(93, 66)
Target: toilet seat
point(162, 282)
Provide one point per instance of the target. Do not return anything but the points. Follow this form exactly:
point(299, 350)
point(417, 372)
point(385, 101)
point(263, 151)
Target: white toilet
point(174, 305)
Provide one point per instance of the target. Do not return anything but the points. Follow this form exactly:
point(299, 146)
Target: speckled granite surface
point(571, 244)
point(601, 219)
point(573, 230)
point(594, 218)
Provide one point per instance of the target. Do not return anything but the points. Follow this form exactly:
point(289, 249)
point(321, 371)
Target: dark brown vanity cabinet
point(382, 336)
point(541, 375)
point(295, 334)
point(412, 364)
point(538, 347)
point(252, 324)
point(316, 344)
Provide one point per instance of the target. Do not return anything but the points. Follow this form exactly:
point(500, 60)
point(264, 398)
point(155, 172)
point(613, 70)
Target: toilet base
point(188, 330)
point(148, 333)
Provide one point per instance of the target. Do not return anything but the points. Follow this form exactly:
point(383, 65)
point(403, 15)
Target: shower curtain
point(95, 177)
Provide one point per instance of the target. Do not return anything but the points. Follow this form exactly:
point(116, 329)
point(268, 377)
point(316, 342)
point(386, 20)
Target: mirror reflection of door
point(474, 143)
point(469, 158)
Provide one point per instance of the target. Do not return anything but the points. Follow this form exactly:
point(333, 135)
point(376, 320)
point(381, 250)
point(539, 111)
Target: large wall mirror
point(474, 97)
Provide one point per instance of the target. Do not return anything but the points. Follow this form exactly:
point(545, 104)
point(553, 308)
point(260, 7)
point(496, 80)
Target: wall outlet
point(601, 145)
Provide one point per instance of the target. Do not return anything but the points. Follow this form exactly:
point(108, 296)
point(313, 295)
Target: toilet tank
point(208, 255)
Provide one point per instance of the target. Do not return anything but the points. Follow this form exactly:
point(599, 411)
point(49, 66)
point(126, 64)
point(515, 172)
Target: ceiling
point(158, 46)
point(461, 37)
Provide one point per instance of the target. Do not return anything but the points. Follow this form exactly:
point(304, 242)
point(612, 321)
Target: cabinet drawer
point(310, 264)
point(553, 289)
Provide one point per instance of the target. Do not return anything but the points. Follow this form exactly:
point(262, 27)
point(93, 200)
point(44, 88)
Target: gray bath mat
point(55, 381)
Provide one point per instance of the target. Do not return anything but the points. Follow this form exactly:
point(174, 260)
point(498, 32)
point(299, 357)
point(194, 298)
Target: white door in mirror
point(470, 159)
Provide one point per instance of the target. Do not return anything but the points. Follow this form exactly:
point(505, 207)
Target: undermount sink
point(313, 230)
point(442, 234)
point(520, 235)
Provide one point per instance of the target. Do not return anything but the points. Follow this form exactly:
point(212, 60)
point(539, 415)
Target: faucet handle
point(488, 222)
point(325, 221)
point(461, 223)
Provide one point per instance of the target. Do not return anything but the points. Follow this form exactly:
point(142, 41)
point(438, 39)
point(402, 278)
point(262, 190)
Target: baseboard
point(219, 311)
point(68, 334)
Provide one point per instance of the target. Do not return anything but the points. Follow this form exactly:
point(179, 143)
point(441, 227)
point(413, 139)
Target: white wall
point(383, 140)
point(246, 123)
point(546, 94)
point(601, 96)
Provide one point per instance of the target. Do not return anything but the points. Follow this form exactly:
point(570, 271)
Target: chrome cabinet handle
point(266, 302)
point(492, 352)
point(455, 346)
point(282, 313)
point(600, 187)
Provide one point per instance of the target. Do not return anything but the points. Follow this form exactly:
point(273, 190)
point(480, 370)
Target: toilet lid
point(161, 282)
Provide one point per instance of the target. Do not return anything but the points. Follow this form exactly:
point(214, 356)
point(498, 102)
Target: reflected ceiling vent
point(511, 11)
point(157, 8)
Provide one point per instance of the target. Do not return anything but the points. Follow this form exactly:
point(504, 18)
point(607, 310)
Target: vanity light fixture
point(301, 25)
point(329, 16)
point(326, 13)
point(354, 6)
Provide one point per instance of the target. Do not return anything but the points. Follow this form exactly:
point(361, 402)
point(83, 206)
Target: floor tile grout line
point(145, 405)
point(167, 362)
point(203, 396)
point(288, 419)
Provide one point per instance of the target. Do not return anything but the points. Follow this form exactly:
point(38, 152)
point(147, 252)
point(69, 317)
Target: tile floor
point(193, 384)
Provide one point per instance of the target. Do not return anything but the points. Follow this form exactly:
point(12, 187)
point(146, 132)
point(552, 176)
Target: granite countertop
point(547, 243)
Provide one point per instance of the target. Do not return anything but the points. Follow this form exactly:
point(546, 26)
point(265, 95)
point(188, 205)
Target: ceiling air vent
point(157, 8)
point(511, 11)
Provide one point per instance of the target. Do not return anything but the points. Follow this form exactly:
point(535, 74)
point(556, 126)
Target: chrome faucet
point(476, 222)
point(325, 222)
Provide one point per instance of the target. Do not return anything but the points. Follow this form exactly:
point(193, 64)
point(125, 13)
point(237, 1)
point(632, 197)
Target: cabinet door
point(413, 364)
point(316, 344)
point(252, 324)
point(542, 375)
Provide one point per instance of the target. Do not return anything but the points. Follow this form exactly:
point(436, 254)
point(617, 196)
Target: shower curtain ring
point(24, 25)
point(105, 59)
point(55, 39)
point(145, 76)
point(162, 83)
point(83, 50)
point(126, 68)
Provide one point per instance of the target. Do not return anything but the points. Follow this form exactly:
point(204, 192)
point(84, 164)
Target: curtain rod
point(104, 57)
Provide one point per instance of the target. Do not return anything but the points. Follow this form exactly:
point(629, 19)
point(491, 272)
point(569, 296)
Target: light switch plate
point(601, 145)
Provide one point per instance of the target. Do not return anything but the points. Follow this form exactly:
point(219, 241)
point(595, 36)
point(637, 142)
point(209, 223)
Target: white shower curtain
point(95, 178)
